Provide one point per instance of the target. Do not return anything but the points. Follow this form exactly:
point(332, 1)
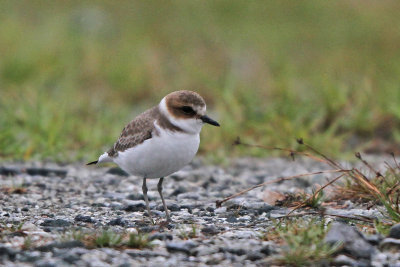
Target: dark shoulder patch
point(136, 132)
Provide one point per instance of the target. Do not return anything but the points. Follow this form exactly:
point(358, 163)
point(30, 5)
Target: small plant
point(28, 243)
point(381, 188)
point(11, 229)
point(382, 228)
point(315, 200)
point(78, 235)
point(138, 241)
point(15, 189)
point(108, 238)
point(192, 233)
point(304, 240)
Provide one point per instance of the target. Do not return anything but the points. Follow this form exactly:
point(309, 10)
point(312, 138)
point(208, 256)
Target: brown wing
point(136, 132)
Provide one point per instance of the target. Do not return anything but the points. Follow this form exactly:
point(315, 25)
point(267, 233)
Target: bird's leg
point(159, 187)
point(144, 189)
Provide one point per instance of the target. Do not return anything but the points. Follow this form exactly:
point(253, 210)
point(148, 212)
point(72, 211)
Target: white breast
point(159, 156)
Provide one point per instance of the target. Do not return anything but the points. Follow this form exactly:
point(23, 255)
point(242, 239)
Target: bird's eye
point(188, 110)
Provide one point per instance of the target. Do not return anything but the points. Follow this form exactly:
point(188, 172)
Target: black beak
point(208, 120)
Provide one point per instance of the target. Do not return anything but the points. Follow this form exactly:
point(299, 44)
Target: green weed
point(108, 238)
point(303, 242)
point(188, 234)
point(138, 241)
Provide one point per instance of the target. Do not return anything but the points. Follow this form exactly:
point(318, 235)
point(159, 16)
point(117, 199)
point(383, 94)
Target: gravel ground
point(58, 198)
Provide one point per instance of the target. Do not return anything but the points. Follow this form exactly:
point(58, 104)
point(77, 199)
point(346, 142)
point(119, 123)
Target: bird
point(161, 140)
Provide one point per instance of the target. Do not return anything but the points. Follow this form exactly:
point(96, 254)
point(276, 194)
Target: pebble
point(82, 218)
point(56, 223)
point(118, 221)
point(138, 205)
point(184, 246)
point(351, 239)
point(395, 231)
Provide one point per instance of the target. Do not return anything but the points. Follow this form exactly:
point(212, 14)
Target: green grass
point(108, 238)
point(303, 242)
point(73, 73)
point(138, 241)
point(186, 233)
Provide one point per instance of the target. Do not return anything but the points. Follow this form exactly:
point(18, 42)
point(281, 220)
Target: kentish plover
point(161, 140)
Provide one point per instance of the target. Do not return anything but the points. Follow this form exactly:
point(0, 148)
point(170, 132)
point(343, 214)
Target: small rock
point(60, 245)
point(185, 246)
point(46, 172)
point(55, 223)
point(117, 171)
point(47, 263)
point(118, 221)
point(9, 171)
point(82, 218)
point(171, 207)
point(345, 260)
point(266, 250)
point(210, 230)
point(161, 236)
point(395, 231)
point(351, 239)
point(234, 250)
point(145, 253)
point(188, 195)
point(374, 239)
point(7, 252)
point(148, 228)
point(254, 256)
point(231, 219)
point(179, 190)
point(265, 208)
point(70, 258)
point(29, 256)
point(210, 209)
point(390, 244)
point(134, 206)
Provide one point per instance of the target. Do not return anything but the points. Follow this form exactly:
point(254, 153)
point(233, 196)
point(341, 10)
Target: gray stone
point(237, 250)
point(55, 223)
point(118, 221)
point(351, 239)
point(184, 246)
point(343, 260)
point(146, 254)
point(82, 218)
point(210, 230)
point(60, 245)
point(7, 252)
point(161, 236)
point(179, 190)
point(266, 250)
point(138, 205)
point(395, 231)
point(171, 207)
point(254, 256)
point(117, 171)
point(390, 244)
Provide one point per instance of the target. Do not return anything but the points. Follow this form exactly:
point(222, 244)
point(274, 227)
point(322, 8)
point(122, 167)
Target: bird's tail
point(93, 162)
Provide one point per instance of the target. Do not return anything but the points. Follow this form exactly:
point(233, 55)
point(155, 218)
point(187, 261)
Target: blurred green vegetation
point(73, 73)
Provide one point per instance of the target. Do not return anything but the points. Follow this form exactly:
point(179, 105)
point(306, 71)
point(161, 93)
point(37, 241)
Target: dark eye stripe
point(188, 110)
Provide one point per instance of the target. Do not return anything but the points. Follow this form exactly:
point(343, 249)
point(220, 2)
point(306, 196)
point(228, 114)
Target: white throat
point(190, 126)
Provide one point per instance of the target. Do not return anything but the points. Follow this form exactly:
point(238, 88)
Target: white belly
point(159, 156)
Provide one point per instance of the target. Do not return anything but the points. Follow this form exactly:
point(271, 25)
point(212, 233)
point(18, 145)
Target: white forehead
point(201, 110)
